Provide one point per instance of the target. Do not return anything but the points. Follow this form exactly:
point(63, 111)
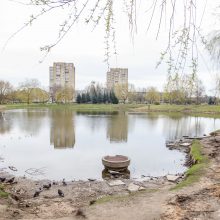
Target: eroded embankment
point(200, 200)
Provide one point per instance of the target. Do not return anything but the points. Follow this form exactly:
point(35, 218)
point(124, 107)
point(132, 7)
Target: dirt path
point(96, 200)
point(141, 207)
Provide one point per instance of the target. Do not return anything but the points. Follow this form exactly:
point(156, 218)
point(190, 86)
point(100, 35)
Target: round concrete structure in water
point(116, 162)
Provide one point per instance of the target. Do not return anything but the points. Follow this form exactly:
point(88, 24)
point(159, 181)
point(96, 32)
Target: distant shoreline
point(130, 108)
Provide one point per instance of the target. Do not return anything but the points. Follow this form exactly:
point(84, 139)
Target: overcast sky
point(85, 48)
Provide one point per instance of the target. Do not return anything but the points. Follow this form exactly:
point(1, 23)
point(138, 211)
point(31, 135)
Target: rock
point(134, 188)
point(91, 180)
point(116, 183)
point(113, 172)
point(141, 188)
point(172, 178)
point(186, 144)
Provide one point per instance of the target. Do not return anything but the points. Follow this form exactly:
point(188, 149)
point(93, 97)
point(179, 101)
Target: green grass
point(199, 110)
point(106, 199)
point(206, 109)
point(76, 107)
point(194, 173)
point(3, 194)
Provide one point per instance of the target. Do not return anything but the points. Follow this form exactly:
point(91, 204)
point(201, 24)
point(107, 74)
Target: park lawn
point(214, 109)
point(191, 109)
point(77, 107)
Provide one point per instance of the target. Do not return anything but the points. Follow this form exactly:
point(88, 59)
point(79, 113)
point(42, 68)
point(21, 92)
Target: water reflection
point(5, 125)
point(62, 131)
point(176, 128)
point(117, 128)
point(29, 120)
point(142, 137)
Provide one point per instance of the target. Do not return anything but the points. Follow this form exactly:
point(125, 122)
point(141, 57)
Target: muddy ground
point(98, 200)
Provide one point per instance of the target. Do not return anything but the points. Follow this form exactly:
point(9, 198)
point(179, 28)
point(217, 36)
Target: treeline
point(178, 89)
point(28, 91)
point(97, 94)
point(106, 97)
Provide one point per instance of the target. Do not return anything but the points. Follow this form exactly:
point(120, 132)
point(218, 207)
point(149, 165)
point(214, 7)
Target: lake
point(68, 144)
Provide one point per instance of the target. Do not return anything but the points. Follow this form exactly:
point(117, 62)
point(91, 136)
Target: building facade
point(117, 76)
point(62, 76)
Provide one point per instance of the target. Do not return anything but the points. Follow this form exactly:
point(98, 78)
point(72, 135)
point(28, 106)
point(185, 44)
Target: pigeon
point(80, 212)
point(2, 179)
point(60, 193)
point(64, 182)
point(47, 186)
point(10, 180)
point(37, 193)
point(92, 202)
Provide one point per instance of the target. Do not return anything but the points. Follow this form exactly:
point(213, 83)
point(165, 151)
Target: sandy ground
point(96, 200)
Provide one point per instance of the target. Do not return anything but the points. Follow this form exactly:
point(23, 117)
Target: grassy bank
point(194, 172)
point(206, 109)
point(76, 107)
point(141, 108)
point(3, 194)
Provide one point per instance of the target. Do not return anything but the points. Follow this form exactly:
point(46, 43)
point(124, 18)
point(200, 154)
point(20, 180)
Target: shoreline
point(129, 108)
point(79, 194)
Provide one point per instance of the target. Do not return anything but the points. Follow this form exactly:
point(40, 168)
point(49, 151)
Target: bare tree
point(64, 95)
point(152, 95)
point(199, 91)
point(182, 38)
point(27, 87)
point(121, 91)
point(5, 90)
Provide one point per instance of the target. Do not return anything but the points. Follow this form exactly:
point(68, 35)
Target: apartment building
point(117, 76)
point(62, 75)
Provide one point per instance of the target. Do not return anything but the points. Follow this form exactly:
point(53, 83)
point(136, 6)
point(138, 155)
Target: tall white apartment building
point(117, 76)
point(62, 75)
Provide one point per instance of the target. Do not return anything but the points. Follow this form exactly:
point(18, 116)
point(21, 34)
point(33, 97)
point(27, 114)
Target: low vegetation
point(125, 197)
point(77, 107)
point(214, 109)
point(194, 172)
point(3, 194)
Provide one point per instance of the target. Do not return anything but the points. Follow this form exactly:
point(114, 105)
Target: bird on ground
point(37, 193)
point(64, 182)
point(60, 193)
point(80, 213)
point(2, 179)
point(10, 180)
point(47, 186)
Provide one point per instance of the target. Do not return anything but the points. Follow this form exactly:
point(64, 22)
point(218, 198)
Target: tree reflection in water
point(5, 124)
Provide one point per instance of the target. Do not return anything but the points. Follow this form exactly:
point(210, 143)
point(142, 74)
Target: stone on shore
point(116, 183)
point(134, 188)
point(172, 178)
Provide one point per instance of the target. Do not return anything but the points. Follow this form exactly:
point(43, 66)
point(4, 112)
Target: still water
point(70, 145)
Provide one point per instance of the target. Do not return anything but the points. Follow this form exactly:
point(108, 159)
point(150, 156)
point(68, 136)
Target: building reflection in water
point(117, 128)
point(62, 131)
